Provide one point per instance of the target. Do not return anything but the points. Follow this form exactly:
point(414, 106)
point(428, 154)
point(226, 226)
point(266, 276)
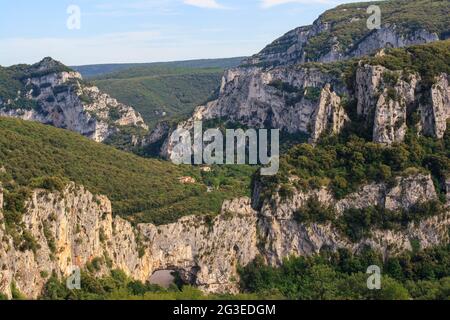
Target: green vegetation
point(16, 294)
point(423, 275)
point(157, 90)
point(427, 60)
point(142, 190)
point(293, 95)
point(98, 70)
point(349, 160)
point(340, 275)
point(357, 224)
point(162, 93)
point(118, 286)
point(348, 22)
point(13, 88)
point(346, 162)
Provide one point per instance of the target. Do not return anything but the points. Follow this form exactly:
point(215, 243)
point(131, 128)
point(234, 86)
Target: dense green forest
point(142, 190)
point(98, 70)
point(419, 275)
point(162, 93)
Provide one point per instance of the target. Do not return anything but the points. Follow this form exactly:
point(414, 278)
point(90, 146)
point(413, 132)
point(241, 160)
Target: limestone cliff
point(75, 227)
point(390, 97)
point(326, 39)
point(292, 99)
point(61, 98)
point(312, 100)
point(299, 83)
point(283, 236)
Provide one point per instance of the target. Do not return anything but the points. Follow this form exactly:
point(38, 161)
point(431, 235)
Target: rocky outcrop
point(299, 99)
point(390, 36)
point(270, 89)
point(330, 116)
point(62, 99)
point(436, 124)
point(311, 100)
point(323, 41)
point(282, 236)
point(159, 133)
point(73, 227)
point(391, 112)
point(389, 97)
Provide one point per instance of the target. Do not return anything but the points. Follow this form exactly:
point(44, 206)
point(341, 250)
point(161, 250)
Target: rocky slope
point(343, 33)
point(316, 100)
point(278, 88)
point(74, 227)
point(53, 94)
point(284, 236)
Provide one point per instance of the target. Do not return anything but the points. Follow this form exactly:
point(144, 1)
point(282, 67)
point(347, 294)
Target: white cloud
point(208, 4)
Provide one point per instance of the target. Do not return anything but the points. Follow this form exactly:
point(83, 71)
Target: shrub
point(315, 211)
point(49, 183)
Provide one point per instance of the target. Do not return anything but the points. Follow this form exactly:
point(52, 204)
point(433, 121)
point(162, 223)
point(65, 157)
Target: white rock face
point(284, 237)
point(66, 102)
point(280, 98)
point(330, 116)
point(74, 227)
point(391, 37)
point(391, 96)
point(290, 48)
point(440, 102)
point(80, 227)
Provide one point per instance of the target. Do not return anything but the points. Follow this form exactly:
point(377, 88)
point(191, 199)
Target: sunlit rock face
point(287, 85)
point(64, 100)
point(74, 227)
point(306, 99)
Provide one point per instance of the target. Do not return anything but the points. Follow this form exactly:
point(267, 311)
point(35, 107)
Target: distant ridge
point(95, 70)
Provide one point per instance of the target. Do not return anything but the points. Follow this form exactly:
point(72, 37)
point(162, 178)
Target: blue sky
point(147, 30)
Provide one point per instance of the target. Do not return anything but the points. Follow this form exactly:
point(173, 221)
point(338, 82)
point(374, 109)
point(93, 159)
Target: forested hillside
point(161, 93)
point(33, 154)
point(164, 90)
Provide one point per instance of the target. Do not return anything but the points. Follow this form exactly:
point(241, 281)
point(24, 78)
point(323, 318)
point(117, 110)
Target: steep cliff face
point(345, 32)
point(435, 123)
point(60, 98)
point(292, 99)
point(329, 117)
point(293, 47)
point(312, 100)
point(282, 236)
point(390, 97)
point(74, 227)
point(298, 84)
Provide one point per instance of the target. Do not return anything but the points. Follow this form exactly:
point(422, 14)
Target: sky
point(132, 31)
